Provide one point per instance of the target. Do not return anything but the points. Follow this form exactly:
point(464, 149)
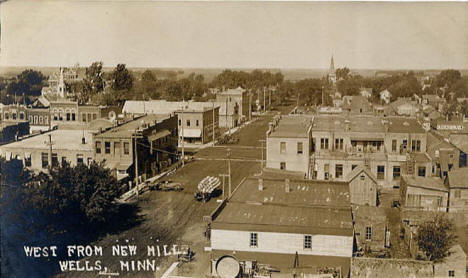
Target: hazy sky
point(234, 34)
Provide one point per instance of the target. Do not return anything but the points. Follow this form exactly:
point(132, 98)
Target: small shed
point(362, 186)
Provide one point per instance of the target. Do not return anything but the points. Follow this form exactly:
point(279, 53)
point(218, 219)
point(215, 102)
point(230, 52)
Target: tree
point(121, 78)
point(148, 76)
point(342, 73)
point(447, 77)
point(28, 83)
point(436, 237)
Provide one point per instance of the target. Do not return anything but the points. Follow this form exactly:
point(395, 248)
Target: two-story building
point(150, 140)
point(273, 221)
point(457, 182)
point(196, 120)
point(234, 107)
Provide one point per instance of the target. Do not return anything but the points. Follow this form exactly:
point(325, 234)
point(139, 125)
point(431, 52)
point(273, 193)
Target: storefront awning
point(191, 133)
point(158, 135)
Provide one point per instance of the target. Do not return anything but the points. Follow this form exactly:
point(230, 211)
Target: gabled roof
point(430, 183)
point(357, 171)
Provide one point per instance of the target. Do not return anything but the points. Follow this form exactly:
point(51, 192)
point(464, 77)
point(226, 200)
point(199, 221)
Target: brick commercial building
point(73, 146)
point(271, 220)
point(333, 146)
point(153, 138)
point(196, 120)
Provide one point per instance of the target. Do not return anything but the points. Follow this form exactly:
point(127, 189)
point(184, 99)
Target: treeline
point(28, 83)
point(69, 205)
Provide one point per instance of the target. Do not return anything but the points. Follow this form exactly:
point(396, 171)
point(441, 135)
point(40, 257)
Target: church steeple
point(331, 73)
point(332, 65)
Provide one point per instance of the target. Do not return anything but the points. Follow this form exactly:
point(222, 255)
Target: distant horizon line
point(236, 68)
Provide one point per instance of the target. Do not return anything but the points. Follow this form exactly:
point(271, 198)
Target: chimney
point(83, 140)
point(286, 186)
point(260, 184)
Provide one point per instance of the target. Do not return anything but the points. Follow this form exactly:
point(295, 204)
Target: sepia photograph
point(233, 139)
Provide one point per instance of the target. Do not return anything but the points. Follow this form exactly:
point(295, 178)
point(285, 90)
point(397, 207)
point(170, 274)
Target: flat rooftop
point(164, 107)
point(292, 127)
point(309, 207)
point(61, 140)
point(128, 129)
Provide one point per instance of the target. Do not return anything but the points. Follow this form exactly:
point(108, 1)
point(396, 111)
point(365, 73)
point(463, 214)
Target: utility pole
point(182, 125)
point(49, 158)
point(214, 123)
point(136, 161)
point(264, 100)
point(298, 94)
point(223, 176)
point(269, 99)
point(323, 103)
point(250, 105)
point(261, 163)
point(229, 170)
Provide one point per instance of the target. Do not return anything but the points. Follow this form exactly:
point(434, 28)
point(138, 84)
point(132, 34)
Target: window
point(396, 172)
point(55, 162)
point(83, 116)
point(416, 145)
point(94, 116)
point(107, 147)
point(422, 171)
point(457, 193)
point(451, 273)
point(180, 122)
point(338, 143)
point(79, 159)
point(380, 172)
point(282, 147)
point(450, 166)
point(253, 239)
point(283, 165)
point(73, 117)
point(299, 147)
point(7, 116)
point(21, 116)
point(98, 146)
point(64, 160)
point(68, 116)
point(117, 148)
point(368, 233)
point(45, 160)
point(13, 116)
point(394, 143)
point(27, 161)
point(307, 242)
point(339, 170)
point(188, 122)
point(323, 143)
point(126, 148)
point(197, 123)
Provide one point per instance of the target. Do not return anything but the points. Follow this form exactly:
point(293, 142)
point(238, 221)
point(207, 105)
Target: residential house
point(403, 107)
point(272, 220)
point(452, 266)
point(385, 96)
point(365, 92)
point(444, 156)
point(423, 193)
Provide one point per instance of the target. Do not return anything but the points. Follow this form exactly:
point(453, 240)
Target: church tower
point(331, 72)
